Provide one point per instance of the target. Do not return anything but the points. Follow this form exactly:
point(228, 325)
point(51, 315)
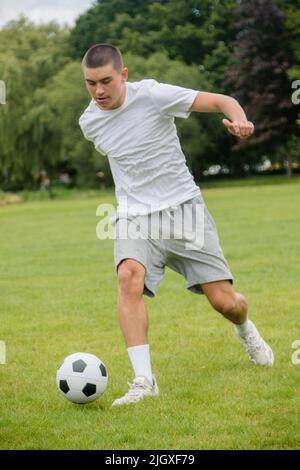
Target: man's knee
point(131, 275)
point(225, 305)
point(230, 305)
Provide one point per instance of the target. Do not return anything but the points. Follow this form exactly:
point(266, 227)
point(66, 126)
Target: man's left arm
point(216, 103)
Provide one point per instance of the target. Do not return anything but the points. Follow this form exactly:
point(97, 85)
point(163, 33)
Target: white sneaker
point(258, 350)
point(140, 388)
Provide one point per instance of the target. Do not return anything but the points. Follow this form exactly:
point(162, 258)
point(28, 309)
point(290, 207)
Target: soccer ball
point(81, 378)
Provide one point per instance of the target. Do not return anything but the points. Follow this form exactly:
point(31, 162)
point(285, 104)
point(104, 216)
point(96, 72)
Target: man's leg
point(225, 300)
point(133, 316)
point(133, 319)
point(233, 307)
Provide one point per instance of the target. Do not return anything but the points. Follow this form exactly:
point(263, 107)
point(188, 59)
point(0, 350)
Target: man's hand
point(241, 128)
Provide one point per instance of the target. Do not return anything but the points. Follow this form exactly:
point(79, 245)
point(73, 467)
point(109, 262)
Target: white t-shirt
point(140, 140)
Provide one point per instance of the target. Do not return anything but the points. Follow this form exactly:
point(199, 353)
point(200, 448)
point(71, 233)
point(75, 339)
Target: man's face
point(106, 85)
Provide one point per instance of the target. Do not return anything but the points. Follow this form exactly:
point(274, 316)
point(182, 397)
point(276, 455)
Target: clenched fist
point(242, 129)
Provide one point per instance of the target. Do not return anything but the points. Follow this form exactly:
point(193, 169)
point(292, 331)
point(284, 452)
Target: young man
point(133, 125)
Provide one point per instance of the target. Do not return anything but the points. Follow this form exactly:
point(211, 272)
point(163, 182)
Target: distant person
point(45, 183)
point(65, 179)
point(133, 125)
point(101, 175)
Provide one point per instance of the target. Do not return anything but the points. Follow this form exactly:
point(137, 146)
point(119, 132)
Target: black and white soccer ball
point(82, 377)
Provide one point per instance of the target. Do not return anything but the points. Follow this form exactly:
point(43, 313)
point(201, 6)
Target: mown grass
point(58, 296)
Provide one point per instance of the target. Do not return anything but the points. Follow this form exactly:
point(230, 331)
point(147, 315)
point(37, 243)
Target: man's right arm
point(214, 102)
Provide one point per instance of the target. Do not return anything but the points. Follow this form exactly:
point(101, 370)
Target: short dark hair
point(103, 54)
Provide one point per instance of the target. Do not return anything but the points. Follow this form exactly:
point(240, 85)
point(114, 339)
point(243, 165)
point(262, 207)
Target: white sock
point(140, 360)
point(244, 328)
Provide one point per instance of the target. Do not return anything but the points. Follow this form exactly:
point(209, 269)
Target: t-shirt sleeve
point(87, 123)
point(84, 128)
point(172, 100)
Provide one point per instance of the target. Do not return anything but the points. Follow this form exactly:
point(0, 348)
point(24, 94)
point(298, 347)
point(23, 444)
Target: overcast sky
point(64, 11)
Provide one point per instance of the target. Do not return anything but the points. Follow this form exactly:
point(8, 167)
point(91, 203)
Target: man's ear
point(124, 74)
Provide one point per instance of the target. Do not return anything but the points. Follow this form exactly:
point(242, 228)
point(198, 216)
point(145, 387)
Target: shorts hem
point(149, 291)
point(134, 258)
point(195, 286)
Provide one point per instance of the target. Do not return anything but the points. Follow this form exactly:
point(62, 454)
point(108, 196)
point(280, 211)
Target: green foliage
point(66, 98)
point(184, 42)
point(259, 76)
point(185, 29)
point(293, 28)
point(203, 33)
point(29, 56)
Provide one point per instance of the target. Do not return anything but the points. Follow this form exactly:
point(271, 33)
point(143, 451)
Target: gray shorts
point(199, 260)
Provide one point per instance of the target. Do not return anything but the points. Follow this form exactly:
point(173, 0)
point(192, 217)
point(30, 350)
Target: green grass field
point(58, 296)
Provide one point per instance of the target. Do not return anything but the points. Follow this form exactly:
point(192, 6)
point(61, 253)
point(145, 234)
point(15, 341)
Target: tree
point(66, 99)
point(187, 30)
point(259, 76)
point(29, 56)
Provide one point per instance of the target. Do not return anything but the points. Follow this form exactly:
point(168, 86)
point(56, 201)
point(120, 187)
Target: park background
point(57, 281)
point(249, 50)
